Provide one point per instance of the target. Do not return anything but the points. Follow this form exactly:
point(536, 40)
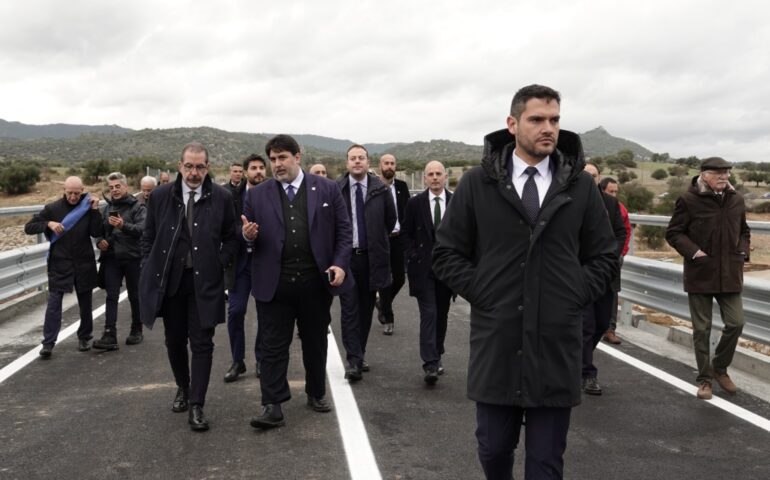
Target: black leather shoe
point(271, 417)
point(591, 386)
point(365, 366)
point(180, 400)
point(197, 420)
point(47, 350)
point(134, 338)
point(236, 369)
point(258, 369)
point(83, 345)
point(318, 404)
point(109, 341)
point(431, 375)
point(353, 374)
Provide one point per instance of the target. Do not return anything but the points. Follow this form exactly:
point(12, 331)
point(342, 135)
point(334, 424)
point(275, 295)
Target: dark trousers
point(181, 321)
point(545, 437)
point(52, 322)
point(114, 272)
point(357, 306)
point(237, 302)
point(596, 320)
point(433, 302)
point(701, 308)
point(399, 277)
point(308, 302)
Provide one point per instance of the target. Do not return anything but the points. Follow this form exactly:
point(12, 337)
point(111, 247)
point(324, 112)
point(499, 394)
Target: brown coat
point(716, 225)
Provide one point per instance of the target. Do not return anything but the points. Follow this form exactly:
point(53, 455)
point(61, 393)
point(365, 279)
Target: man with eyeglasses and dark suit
point(188, 241)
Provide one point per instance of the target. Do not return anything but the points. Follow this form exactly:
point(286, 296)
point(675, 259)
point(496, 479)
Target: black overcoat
point(71, 260)
point(527, 283)
point(213, 244)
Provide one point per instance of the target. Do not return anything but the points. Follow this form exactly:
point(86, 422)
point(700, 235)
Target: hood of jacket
point(567, 160)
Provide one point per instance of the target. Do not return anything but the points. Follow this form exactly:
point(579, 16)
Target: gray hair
point(117, 176)
point(149, 178)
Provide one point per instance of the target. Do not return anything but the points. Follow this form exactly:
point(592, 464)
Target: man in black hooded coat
point(528, 258)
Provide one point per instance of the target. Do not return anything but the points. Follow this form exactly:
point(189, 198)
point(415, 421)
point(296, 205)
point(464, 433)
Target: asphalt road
point(107, 415)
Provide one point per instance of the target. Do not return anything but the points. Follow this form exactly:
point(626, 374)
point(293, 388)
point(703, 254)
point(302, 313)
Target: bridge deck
point(107, 415)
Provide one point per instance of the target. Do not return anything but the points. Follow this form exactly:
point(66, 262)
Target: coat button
point(197, 272)
point(518, 393)
point(164, 251)
point(195, 224)
point(519, 353)
point(521, 307)
point(542, 222)
point(523, 264)
point(157, 274)
point(195, 248)
point(508, 187)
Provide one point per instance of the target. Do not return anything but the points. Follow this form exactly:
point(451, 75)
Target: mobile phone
point(114, 214)
point(330, 275)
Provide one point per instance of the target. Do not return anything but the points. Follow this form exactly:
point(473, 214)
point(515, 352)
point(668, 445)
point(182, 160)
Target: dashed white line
point(739, 412)
point(358, 450)
point(33, 354)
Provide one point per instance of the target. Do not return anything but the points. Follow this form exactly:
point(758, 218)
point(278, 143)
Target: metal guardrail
point(662, 221)
point(658, 285)
point(22, 269)
point(26, 210)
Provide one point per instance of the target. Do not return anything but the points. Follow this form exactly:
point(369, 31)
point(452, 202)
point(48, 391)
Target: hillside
point(599, 142)
point(57, 130)
point(226, 147)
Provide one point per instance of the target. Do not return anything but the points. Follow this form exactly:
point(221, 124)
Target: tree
point(635, 197)
point(757, 177)
point(659, 174)
point(660, 157)
point(626, 157)
point(17, 177)
point(678, 171)
point(93, 169)
point(626, 176)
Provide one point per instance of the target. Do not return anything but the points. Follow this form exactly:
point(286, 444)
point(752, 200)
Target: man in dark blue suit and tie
point(423, 214)
point(301, 240)
point(373, 216)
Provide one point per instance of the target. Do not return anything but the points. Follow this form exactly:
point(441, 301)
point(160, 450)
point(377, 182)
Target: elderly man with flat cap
point(709, 230)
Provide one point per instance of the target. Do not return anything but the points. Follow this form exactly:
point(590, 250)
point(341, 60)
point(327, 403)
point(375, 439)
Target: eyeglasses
point(189, 168)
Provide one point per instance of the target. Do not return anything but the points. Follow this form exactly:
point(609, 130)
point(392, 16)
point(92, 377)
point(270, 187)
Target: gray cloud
point(687, 77)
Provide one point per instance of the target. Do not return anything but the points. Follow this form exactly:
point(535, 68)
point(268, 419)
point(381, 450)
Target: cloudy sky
point(678, 76)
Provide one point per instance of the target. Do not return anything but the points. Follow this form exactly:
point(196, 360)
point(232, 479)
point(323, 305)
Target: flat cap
point(714, 163)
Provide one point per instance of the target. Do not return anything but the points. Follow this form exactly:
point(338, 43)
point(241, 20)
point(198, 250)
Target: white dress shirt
point(542, 177)
point(442, 202)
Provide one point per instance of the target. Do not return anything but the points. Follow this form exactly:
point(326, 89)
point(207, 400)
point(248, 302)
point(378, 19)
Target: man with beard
point(120, 258)
point(373, 216)
point(69, 223)
point(238, 294)
point(188, 241)
point(527, 242)
point(400, 193)
point(301, 240)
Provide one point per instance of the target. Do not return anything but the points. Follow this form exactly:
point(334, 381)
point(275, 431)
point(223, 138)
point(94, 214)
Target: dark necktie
point(190, 205)
point(360, 220)
point(437, 212)
point(290, 192)
point(529, 196)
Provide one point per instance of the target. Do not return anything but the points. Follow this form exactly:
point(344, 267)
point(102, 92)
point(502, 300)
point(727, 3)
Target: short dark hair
point(254, 158)
point(529, 92)
point(195, 147)
point(355, 145)
point(235, 164)
point(282, 143)
point(606, 181)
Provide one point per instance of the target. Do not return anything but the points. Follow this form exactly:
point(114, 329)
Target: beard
point(388, 174)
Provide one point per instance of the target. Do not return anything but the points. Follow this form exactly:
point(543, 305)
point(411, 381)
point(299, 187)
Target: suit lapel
point(427, 217)
point(274, 191)
point(312, 199)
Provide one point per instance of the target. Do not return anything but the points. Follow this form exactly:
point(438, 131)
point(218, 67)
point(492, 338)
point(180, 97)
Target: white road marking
point(739, 412)
point(358, 450)
point(33, 354)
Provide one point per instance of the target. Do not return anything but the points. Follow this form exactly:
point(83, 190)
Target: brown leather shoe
point(723, 379)
point(704, 390)
point(610, 337)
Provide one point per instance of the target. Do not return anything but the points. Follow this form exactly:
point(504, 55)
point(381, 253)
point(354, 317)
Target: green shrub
point(18, 178)
point(653, 237)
